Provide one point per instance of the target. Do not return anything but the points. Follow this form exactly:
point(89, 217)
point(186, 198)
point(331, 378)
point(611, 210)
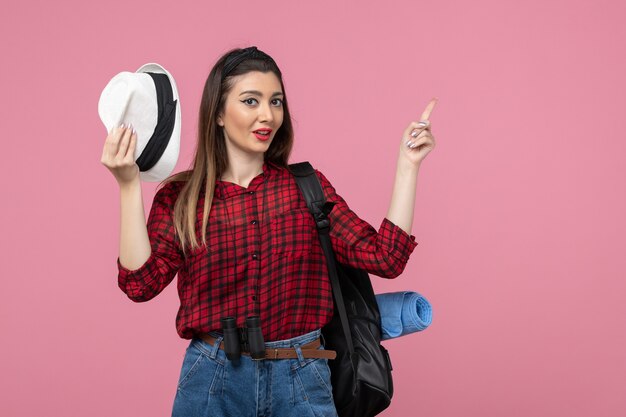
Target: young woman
point(238, 233)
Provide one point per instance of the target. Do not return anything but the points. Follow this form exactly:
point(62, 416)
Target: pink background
point(519, 214)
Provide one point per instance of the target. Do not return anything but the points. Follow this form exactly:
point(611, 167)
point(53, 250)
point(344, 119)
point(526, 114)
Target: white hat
point(146, 99)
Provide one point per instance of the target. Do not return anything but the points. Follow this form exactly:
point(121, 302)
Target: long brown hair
point(210, 158)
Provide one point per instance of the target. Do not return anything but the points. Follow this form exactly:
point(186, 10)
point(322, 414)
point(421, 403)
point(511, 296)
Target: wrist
point(406, 167)
point(130, 186)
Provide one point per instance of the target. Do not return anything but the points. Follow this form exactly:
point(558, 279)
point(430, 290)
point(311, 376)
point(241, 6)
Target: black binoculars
point(247, 339)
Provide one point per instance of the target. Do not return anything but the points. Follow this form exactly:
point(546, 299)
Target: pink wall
point(519, 215)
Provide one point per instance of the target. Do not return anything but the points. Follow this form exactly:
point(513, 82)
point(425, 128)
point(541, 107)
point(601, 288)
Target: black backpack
point(361, 372)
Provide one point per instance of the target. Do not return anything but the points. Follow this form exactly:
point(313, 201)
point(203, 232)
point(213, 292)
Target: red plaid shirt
point(263, 257)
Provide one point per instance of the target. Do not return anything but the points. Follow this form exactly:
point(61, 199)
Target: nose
point(266, 113)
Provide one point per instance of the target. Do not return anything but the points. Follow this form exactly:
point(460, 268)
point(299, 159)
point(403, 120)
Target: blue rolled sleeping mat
point(402, 313)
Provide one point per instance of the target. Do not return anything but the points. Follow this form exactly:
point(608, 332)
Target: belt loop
point(216, 346)
point(296, 346)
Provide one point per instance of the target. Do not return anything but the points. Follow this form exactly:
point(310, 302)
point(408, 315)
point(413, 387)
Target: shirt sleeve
point(357, 244)
point(166, 257)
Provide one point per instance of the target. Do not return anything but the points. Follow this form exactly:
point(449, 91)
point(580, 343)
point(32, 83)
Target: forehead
point(265, 82)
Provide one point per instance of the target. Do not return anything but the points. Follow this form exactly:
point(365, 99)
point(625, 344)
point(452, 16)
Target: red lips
point(262, 134)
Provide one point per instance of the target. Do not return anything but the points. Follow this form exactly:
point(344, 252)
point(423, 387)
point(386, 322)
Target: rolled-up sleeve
point(147, 281)
point(383, 252)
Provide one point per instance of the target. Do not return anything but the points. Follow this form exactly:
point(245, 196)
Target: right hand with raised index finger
point(118, 154)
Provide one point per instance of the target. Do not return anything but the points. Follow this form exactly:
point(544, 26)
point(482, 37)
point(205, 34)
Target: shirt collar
point(225, 189)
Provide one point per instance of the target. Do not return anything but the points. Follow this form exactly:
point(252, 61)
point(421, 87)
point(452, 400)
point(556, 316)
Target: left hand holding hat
point(118, 154)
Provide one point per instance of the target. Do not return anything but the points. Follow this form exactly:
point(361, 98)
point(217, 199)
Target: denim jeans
point(212, 385)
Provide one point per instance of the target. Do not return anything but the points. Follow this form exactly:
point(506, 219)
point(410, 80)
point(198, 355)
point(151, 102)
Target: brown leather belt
point(309, 350)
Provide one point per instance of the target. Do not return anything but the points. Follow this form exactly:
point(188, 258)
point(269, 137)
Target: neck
point(242, 171)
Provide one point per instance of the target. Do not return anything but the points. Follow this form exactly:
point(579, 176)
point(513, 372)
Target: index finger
point(429, 109)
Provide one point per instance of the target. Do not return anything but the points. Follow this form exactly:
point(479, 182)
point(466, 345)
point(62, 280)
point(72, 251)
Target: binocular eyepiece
point(231, 338)
point(248, 339)
point(256, 345)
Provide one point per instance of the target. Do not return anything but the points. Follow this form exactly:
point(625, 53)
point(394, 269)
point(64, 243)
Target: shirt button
point(250, 192)
point(253, 222)
point(253, 298)
point(255, 255)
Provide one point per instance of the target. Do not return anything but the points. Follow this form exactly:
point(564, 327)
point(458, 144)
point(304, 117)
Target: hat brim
point(164, 167)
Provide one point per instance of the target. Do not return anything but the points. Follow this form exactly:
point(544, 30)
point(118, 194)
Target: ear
point(220, 122)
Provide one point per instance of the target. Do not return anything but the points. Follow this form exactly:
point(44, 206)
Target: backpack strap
point(310, 186)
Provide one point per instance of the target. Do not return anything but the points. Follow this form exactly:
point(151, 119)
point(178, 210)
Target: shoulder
point(327, 186)
point(323, 179)
point(167, 192)
point(329, 190)
point(321, 176)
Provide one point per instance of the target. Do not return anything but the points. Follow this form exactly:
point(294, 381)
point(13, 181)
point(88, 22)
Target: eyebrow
point(258, 93)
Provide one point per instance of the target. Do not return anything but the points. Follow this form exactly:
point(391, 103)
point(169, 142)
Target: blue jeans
point(211, 385)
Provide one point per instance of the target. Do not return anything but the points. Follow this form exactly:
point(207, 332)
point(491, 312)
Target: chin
point(266, 144)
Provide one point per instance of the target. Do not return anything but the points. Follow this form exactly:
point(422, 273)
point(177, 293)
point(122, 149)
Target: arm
point(356, 243)
point(402, 203)
point(385, 252)
point(134, 240)
point(150, 255)
point(417, 142)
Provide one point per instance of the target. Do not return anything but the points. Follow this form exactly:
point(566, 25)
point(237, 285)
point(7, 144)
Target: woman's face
point(255, 102)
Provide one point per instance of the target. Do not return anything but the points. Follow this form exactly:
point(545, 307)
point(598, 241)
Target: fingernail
point(414, 134)
point(134, 131)
point(422, 123)
point(122, 126)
